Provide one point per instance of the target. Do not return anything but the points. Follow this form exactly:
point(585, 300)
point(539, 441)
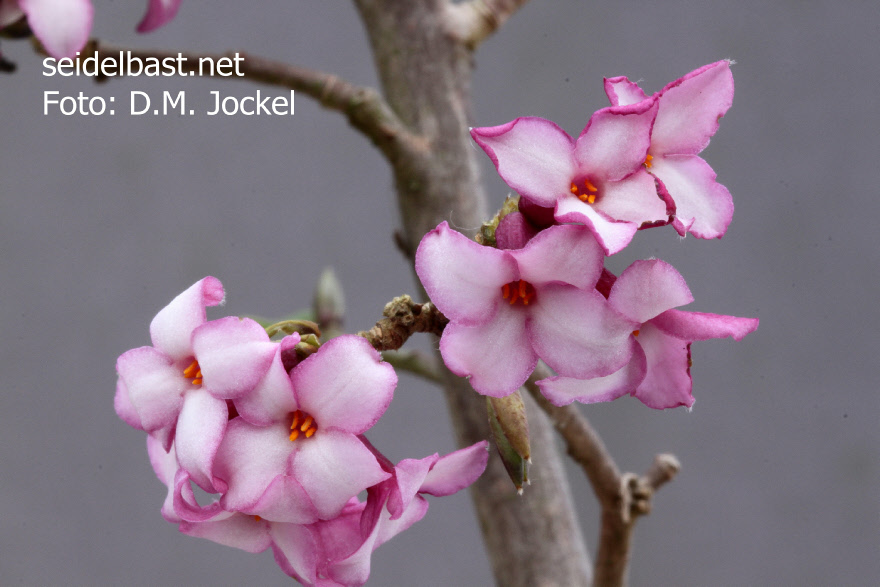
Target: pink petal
point(249, 459)
point(185, 504)
point(690, 108)
point(171, 329)
point(232, 529)
point(408, 476)
point(272, 399)
point(692, 326)
point(285, 500)
point(561, 391)
point(612, 235)
point(159, 13)
point(649, 288)
point(462, 278)
point(457, 470)
point(234, 354)
point(615, 142)
point(124, 408)
point(62, 26)
point(533, 155)
point(703, 206)
point(578, 334)
point(200, 429)
point(667, 383)
point(622, 92)
point(165, 466)
point(155, 387)
point(633, 199)
point(296, 551)
point(566, 254)
point(497, 356)
point(345, 385)
point(333, 467)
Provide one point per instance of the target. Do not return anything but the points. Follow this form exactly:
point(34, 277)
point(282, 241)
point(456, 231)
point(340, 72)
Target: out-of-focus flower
point(688, 115)
point(159, 13)
point(659, 372)
point(598, 180)
point(62, 26)
point(508, 308)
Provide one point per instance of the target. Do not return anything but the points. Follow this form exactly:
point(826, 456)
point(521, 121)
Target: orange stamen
point(635, 332)
point(302, 424)
point(518, 291)
point(591, 199)
point(307, 424)
point(296, 420)
point(648, 161)
point(294, 435)
point(574, 189)
point(311, 431)
point(191, 371)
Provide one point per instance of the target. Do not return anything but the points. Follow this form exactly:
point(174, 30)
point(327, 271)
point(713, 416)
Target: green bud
point(510, 429)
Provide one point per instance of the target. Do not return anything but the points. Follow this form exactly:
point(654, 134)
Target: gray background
point(103, 220)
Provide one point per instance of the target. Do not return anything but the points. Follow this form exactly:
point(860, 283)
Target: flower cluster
point(63, 26)
point(542, 291)
point(277, 439)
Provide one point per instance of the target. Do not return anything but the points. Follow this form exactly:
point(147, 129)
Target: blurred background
point(103, 220)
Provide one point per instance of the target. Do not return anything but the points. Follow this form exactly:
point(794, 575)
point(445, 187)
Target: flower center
point(302, 424)
point(520, 291)
point(648, 163)
point(586, 192)
point(193, 372)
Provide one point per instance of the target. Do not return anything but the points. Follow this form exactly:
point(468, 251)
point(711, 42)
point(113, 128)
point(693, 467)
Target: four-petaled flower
point(598, 180)
point(508, 308)
point(688, 115)
point(659, 373)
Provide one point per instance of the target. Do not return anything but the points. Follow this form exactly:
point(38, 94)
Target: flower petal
point(578, 334)
point(171, 329)
point(561, 391)
point(649, 288)
point(155, 387)
point(457, 470)
point(249, 459)
point(690, 108)
point(533, 155)
point(345, 385)
point(622, 92)
point(692, 326)
point(62, 26)
point(514, 231)
point(462, 278)
point(200, 429)
point(497, 356)
point(667, 383)
point(272, 398)
point(565, 254)
point(612, 235)
point(333, 467)
point(615, 141)
point(234, 354)
point(296, 551)
point(633, 199)
point(159, 13)
point(232, 529)
point(703, 206)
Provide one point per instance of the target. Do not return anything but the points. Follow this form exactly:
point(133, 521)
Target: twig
point(403, 317)
point(623, 497)
point(473, 22)
point(364, 107)
point(416, 363)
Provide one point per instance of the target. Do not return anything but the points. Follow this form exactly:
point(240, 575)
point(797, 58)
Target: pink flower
point(598, 180)
point(508, 308)
point(177, 389)
point(343, 546)
point(62, 26)
point(688, 114)
point(659, 372)
point(295, 455)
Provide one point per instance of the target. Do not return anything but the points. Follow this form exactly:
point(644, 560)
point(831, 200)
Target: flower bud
point(510, 428)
